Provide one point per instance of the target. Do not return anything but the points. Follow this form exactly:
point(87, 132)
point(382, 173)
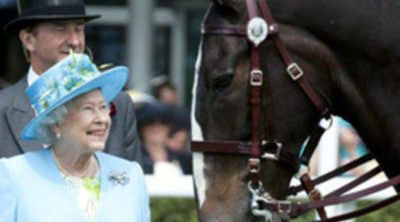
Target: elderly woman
point(72, 180)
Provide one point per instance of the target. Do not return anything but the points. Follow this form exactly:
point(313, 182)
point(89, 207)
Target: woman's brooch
point(118, 178)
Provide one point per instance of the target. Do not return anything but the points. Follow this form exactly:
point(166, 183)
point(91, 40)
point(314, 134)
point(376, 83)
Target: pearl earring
point(58, 135)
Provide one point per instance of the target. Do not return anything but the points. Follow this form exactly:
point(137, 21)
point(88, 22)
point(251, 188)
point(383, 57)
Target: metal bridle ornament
point(258, 30)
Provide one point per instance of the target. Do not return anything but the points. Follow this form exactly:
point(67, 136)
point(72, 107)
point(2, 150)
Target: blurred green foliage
point(173, 210)
point(388, 214)
point(183, 210)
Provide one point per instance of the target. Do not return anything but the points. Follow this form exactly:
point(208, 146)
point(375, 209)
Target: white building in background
point(152, 37)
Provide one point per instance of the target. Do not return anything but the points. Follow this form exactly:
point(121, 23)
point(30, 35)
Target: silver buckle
point(256, 77)
point(284, 213)
point(326, 123)
point(294, 71)
point(256, 168)
point(256, 210)
point(273, 156)
point(286, 203)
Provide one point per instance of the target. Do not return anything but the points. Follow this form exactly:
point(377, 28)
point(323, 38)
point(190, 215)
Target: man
point(49, 30)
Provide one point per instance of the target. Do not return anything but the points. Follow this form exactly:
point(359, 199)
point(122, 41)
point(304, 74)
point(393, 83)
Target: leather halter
point(261, 29)
point(260, 148)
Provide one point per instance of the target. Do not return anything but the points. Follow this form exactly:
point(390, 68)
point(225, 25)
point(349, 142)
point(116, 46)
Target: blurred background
point(158, 40)
point(152, 37)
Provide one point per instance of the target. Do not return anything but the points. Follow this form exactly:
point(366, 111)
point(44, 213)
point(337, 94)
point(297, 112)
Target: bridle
point(258, 30)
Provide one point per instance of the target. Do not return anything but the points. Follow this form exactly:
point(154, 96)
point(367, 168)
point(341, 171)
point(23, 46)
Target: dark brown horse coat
point(349, 51)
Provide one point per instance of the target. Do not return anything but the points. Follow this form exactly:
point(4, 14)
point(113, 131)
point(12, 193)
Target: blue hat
point(69, 78)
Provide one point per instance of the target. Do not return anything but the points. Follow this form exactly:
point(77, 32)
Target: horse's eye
point(222, 82)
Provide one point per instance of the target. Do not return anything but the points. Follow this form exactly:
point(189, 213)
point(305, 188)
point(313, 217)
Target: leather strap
point(366, 176)
point(251, 8)
point(257, 148)
point(255, 80)
point(234, 30)
point(303, 82)
point(288, 160)
point(221, 147)
point(311, 145)
point(283, 52)
point(363, 211)
point(313, 193)
point(334, 173)
point(297, 209)
point(224, 30)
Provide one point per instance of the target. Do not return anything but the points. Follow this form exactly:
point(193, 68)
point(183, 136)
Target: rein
point(258, 30)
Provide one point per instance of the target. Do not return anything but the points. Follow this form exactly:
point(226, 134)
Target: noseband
point(259, 29)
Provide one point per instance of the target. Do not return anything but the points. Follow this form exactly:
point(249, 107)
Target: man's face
point(51, 41)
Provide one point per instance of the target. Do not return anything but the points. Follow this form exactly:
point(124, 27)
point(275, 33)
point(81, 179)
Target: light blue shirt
point(32, 190)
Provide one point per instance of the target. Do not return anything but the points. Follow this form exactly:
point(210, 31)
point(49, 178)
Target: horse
point(348, 51)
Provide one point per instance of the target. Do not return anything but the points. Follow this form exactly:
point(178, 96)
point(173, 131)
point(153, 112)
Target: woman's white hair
point(44, 131)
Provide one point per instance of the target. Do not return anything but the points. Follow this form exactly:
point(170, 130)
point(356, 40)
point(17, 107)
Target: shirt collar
point(32, 76)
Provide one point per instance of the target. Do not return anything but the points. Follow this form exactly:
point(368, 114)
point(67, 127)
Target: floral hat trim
point(69, 78)
point(62, 79)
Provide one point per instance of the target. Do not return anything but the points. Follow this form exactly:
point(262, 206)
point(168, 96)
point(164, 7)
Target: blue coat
point(32, 190)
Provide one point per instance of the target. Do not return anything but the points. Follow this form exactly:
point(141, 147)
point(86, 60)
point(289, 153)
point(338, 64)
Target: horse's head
point(222, 108)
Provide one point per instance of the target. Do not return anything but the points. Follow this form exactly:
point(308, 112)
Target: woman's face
point(87, 123)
